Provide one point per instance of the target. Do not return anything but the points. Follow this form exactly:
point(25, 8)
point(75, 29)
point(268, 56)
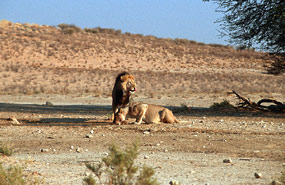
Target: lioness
point(145, 112)
point(124, 86)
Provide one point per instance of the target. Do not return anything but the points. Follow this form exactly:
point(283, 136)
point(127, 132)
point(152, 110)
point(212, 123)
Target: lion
point(148, 113)
point(124, 87)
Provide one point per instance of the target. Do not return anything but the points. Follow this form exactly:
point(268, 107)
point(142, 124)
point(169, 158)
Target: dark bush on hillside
point(69, 28)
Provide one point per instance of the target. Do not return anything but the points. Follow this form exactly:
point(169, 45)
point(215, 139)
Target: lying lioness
point(145, 112)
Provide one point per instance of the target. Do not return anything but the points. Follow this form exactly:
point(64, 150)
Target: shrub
point(183, 109)
point(5, 150)
point(225, 104)
point(13, 175)
point(118, 168)
point(69, 28)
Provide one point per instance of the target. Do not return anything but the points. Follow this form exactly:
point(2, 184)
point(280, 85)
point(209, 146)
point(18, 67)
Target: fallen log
point(276, 106)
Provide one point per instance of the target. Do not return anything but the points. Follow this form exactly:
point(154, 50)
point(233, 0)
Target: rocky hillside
point(69, 60)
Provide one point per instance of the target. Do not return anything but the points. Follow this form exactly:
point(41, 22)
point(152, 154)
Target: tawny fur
point(148, 113)
point(123, 88)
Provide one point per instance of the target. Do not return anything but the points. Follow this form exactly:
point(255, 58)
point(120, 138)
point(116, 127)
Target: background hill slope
point(68, 60)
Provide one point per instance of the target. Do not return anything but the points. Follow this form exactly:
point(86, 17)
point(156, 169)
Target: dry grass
point(45, 60)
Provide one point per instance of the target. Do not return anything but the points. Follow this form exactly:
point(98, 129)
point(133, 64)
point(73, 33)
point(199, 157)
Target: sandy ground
point(190, 152)
point(76, 72)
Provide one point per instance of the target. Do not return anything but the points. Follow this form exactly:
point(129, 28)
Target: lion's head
point(128, 83)
point(120, 118)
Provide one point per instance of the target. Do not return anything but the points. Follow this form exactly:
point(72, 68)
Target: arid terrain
point(55, 102)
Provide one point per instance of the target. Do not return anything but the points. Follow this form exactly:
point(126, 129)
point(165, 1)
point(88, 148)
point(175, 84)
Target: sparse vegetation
point(87, 58)
point(184, 108)
point(225, 104)
point(119, 168)
point(69, 28)
point(5, 150)
point(13, 175)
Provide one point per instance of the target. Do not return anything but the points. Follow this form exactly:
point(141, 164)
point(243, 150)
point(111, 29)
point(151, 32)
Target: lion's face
point(120, 118)
point(128, 84)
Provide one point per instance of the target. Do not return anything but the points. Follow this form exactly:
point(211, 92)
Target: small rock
point(146, 157)
point(44, 150)
point(245, 159)
point(78, 150)
point(89, 136)
point(258, 175)
point(15, 121)
point(275, 182)
point(92, 132)
point(165, 150)
point(174, 183)
point(146, 132)
point(48, 103)
point(86, 150)
point(103, 135)
point(71, 147)
point(39, 131)
point(227, 161)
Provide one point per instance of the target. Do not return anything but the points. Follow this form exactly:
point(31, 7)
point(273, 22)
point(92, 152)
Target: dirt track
point(191, 152)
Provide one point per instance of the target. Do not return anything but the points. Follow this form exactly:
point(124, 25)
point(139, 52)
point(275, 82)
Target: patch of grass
point(5, 150)
point(225, 104)
point(13, 175)
point(183, 109)
point(119, 168)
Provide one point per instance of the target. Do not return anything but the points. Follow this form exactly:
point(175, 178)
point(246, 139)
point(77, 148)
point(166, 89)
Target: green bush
point(5, 150)
point(13, 175)
point(183, 109)
point(118, 168)
point(225, 104)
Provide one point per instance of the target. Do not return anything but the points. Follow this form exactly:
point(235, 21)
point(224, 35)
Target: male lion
point(145, 112)
point(124, 86)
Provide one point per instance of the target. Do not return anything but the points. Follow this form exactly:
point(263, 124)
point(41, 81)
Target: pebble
point(174, 183)
point(48, 103)
point(92, 132)
point(89, 136)
point(275, 182)
point(146, 157)
point(78, 150)
point(15, 121)
point(71, 147)
point(258, 175)
point(227, 161)
point(146, 132)
point(44, 150)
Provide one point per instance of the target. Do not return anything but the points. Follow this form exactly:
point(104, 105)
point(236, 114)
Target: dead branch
point(247, 103)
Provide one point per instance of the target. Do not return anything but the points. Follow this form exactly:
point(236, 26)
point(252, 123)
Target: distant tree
point(259, 23)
